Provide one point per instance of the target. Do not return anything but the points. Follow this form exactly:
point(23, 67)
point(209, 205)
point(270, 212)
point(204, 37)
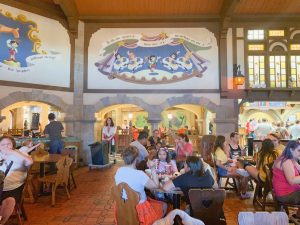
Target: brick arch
point(37, 96)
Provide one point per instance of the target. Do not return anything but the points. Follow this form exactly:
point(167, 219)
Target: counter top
point(20, 140)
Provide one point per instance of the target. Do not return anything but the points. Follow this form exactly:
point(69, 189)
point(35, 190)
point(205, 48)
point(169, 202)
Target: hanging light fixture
point(238, 78)
point(170, 116)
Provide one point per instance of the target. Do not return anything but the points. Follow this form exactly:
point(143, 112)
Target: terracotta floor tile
point(91, 203)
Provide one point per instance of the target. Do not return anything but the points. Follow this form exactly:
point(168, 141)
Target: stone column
point(154, 117)
point(77, 110)
point(227, 117)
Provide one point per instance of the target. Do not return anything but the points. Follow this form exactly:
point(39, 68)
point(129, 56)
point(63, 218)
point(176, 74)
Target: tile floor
point(90, 203)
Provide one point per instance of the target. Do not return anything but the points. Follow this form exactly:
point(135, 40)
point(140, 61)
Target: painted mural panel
point(33, 49)
point(153, 58)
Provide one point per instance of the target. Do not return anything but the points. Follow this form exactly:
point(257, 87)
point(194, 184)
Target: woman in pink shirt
point(183, 146)
point(286, 178)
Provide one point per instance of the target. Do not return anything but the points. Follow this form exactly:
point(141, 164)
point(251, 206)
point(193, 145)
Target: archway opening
point(28, 116)
point(194, 120)
point(129, 119)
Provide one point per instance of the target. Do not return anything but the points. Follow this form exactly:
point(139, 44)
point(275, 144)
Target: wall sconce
point(170, 116)
point(238, 77)
point(130, 116)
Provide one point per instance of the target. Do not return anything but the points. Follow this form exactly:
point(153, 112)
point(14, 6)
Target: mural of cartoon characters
point(120, 62)
point(152, 60)
point(171, 62)
point(185, 62)
point(134, 62)
point(13, 49)
point(13, 31)
point(179, 57)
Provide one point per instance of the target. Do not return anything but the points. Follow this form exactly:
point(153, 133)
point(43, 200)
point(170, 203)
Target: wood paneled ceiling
point(147, 7)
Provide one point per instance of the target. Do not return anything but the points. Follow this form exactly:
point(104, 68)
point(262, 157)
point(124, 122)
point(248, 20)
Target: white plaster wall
point(54, 38)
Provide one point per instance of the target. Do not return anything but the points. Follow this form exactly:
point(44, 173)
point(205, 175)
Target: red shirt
point(187, 149)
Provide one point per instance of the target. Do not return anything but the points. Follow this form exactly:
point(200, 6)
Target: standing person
point(15, 178)
point(295, 130)
point(286, 178)
point(140, 145)
point(263, 129)
point(281, 129)
point(108, 134)
point(53, 131)
point(235, 148)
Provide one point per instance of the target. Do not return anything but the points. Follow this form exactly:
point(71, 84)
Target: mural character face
point(152, 58)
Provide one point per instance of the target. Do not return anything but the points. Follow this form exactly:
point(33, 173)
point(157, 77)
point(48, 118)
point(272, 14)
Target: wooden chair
point(60, 178)
point(266, 189)
point(278, 205)
point(265, 218)
point(206, 148)
point(125, 208)
point(72, 151)
point(229, 185)
point(207, 205)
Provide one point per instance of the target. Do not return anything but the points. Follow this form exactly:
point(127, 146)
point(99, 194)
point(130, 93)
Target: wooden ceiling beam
point(70, 11)
point(227, 10)
point(38, 7)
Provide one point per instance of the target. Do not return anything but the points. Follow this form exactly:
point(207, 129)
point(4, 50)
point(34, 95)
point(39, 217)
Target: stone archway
point(35, 95)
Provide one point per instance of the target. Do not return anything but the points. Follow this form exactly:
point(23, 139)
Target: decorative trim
point(152, 91)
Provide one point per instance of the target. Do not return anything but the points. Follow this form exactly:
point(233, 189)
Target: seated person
point(162, 164)
point(15, 179)
point(236, 150)
point(27, 146)
point(275, 138)
point(266, 156)
point(153, 140)
point(183, 146)
point(138, 181)
point(286, 178)
point(195, 176)
point(225, 166)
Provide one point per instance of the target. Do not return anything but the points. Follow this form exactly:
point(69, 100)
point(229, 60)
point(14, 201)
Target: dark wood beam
point(227, 10)
point(38, 7)
point(259, 18)
point(70, 11)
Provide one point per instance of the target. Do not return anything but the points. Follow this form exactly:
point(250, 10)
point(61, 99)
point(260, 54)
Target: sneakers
point(246, 195)
point(242, 172)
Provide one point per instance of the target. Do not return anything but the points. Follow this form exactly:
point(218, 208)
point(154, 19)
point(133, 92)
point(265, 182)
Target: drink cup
point(168, 169)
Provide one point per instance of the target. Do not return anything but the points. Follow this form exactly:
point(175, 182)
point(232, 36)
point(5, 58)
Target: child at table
point(28, 146)
point(163, 162)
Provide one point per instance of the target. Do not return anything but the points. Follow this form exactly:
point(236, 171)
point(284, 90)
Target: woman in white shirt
point(108, 134)
point(138, 181)
point(15, 178)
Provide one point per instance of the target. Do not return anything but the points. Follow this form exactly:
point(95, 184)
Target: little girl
point(163, 164)
point(28, 146)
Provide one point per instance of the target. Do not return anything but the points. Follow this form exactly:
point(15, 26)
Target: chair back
point(207, 146)
point(269, 178)
point(266, 218)
point(126, 200)
point(71, 151)
point(207, 205)
point(63, 170)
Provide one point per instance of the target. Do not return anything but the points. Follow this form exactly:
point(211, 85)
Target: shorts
point(292, 198)
point(221, 171)
point(15, 193)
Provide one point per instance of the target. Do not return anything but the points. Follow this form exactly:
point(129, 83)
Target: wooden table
point(42, 160)
point(176, 195)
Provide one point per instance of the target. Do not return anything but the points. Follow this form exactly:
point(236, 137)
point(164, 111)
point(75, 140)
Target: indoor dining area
point(149, 112)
